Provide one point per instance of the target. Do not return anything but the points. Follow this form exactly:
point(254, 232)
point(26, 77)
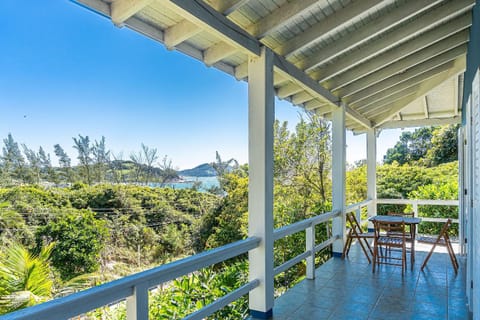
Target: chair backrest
point(354, 223)
point(392, 228)
point(446, 226)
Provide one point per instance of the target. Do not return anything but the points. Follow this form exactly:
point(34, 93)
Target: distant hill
point(203, 170)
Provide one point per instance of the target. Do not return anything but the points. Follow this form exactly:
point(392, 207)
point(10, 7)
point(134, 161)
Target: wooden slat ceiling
point(392, 63)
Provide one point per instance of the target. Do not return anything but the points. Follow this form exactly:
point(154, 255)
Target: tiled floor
point(347, 289)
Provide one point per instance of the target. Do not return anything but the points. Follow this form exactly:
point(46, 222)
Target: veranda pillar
point(372, 173)
point(261, 116)
point(338, 176)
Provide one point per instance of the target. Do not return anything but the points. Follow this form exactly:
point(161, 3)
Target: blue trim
point(261, 314)
point(337, 254)
point(371, 230)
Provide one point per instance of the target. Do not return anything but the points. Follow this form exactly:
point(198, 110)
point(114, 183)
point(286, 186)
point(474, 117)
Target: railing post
point(137, 304)
point(310, 246)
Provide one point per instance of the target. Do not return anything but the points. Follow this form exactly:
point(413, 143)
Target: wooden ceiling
point(392, 63)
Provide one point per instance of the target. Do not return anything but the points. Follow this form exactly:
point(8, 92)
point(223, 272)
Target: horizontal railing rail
point(357, 206)
point(285, 231)
point(423, 202)
point(307, 225)
point(135, 288)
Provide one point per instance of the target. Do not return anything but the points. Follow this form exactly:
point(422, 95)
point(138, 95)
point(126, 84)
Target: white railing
point(135, 288)
point(311, 247)
point(357, 207)
point(421, 202)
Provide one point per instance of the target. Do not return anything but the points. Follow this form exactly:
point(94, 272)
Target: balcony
point(338, 289)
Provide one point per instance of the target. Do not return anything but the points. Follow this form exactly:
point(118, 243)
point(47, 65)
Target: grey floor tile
point(347, 289)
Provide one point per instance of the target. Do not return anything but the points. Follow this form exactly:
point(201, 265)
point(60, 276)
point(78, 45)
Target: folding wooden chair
point(389, 234)
point(442, 239)
point(356, 232)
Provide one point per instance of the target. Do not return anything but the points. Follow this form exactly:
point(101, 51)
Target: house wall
point(471, 108)
point(473, 56)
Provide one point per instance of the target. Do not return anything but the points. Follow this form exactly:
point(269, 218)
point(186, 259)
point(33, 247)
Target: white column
point(372, 173)
point(338, 177)
point(261, 116)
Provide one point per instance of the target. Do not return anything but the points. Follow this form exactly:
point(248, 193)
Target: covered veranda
point(366, 65)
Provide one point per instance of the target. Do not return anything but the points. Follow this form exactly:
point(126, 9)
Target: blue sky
point(65, 71)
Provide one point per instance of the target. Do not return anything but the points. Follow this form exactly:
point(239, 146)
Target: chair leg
point(364, 250)
point(428, 256)
point(375, 257)
point(346, 248)
point(453, 258)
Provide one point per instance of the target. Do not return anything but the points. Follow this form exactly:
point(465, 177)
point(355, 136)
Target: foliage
point(444, 147)
point(428, 146)
point(195, 291)
point(446, 191)
point(24, 278)
point(78, 237)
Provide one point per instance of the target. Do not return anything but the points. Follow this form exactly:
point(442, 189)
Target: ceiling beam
point(299, 98)
point(367, 32)
point(287, 68)
point(425, 106)
point(400, 52)
point(281, 16)
point(226, 7)
point(438, 53)
point(401, 104)
point(314, 104)
point(325, 26)
point(358, 117)
point(211, 20)
point(322, 110)
point(218, 52)
point(180, 32)
point(420, 123)
point(398, 82)
point(373, 108)
point(429, 21)
point(456, 97)
point(121, 10)
point(365, 103)
point(288, 90)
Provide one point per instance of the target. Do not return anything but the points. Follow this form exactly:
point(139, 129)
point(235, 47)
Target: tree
point(100, 159)
point(13, 163)
point(46, 165)
point(138, 161)
point(223, 167)
point(411, 147)
point(24, 278)
point(82, 144)
point(150, 156)
point(34, 163)
point(65, 163)
point(167, 172)
point(444, 145)
point(78, 237)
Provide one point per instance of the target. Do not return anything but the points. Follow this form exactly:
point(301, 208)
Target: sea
point(206, 183)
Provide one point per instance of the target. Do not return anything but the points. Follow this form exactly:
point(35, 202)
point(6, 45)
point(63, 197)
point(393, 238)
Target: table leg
point(412, 253)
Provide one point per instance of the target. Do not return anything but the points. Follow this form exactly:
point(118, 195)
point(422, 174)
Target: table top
point(407, 220)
